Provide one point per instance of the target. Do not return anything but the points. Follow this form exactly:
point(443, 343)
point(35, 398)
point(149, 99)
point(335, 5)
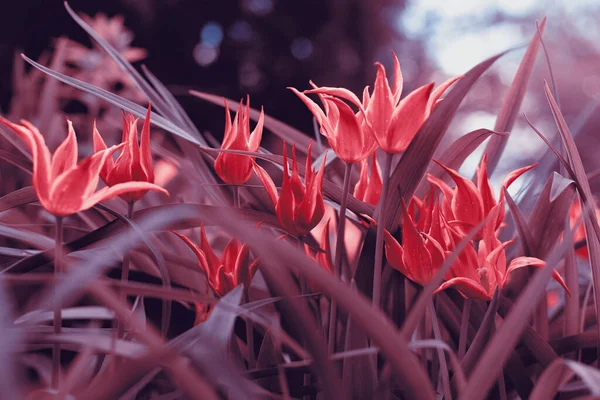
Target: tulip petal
point(256, 135)
point(381, 103)
point(342, 93)
point(314, 108)
point(119, 189)
point(202, 262)
point(351, 143)
point(398, 80)
point(467, 205)
point(99, 145)
point(213, 261)
point(439, 91)
point(469, 288)
point(485, 189)
point(267, 182)
point(311, 210)
point(40, 154)
point(65, 156)
point(406, 120)
point(521, 262)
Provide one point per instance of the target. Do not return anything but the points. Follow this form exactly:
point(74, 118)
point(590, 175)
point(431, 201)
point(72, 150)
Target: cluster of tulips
point(432, 227)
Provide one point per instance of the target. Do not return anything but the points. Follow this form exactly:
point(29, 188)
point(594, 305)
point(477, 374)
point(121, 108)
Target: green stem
point(56, 364)
point(236, 197)
point(339, 256)
point(380, 232)
point(464, 329)
point(124, 275)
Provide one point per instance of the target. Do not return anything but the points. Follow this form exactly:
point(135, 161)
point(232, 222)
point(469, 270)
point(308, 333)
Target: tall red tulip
point(488, 271)
point(62, 186)
point(299, 207)
point(134, 163)
point(226, 273)
point(236, 169)
point(343, 128)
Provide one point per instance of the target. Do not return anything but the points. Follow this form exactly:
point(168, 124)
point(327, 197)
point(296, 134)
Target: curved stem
point(339, 256)
point(57, 306)
point(380, 231)
point(124, 274)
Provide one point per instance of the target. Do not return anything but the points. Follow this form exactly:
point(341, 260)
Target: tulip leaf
point(512, 102)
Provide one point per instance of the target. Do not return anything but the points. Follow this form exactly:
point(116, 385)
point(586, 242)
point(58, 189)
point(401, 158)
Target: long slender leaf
point(512, 102)
point(118, 101)
point(592, 229)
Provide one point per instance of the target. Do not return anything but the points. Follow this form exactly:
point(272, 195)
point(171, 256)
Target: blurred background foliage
point(259, 47)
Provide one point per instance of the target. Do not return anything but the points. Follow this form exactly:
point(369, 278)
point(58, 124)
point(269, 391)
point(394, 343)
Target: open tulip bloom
point(467, 204)
point(134, 163)
point(392, 122)
point(226, 273)
point(236, 169)
point(299, 207)
point(62, 186)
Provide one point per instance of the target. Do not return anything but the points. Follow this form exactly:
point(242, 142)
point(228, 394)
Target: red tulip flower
point(226, 273)
point(236, 169)
point(344, 129)
point(62, 186)
point(134, 163)
point(395, 122)
point(483, 274)
point(299, 207)
point(369, 186)
point(420, 255)
point(468, 204)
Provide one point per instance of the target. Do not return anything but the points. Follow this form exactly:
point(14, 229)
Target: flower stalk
point(56, 362)
point(339, 255)
point(380, 231)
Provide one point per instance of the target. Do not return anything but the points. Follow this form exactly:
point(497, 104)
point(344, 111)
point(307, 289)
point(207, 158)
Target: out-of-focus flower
point(480, 278)
point(134, 163)
point(164, 172)
point(62, 186)
point(467, 204)
point(97, 68)
point(343, 129)
point(575, 216)
point(299, 207)
point(226, 273)
point(368, 188)
point(236, 169)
